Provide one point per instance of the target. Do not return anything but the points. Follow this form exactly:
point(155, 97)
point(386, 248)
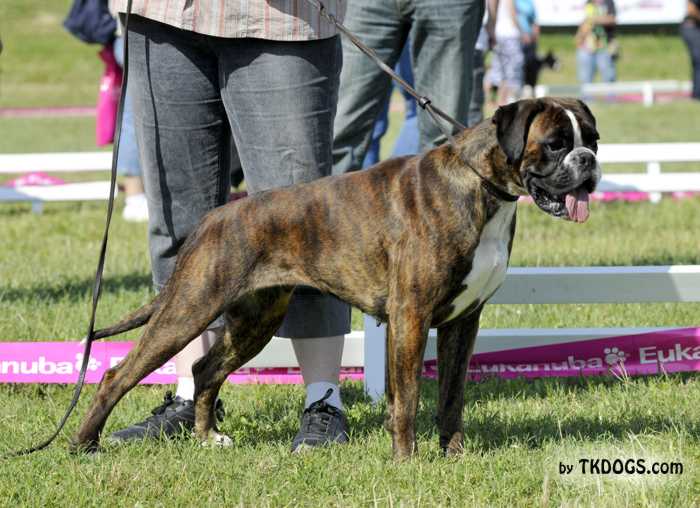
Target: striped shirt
point(281, 20)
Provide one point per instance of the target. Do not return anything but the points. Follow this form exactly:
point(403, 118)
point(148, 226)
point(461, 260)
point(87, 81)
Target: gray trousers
point(191, 93)
point(442, 34)
point(476, 104)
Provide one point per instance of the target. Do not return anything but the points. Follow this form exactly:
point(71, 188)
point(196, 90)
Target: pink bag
point(108, 98)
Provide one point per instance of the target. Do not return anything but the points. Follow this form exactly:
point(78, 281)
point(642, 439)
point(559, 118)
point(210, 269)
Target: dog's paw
point(91, 447)
point(452, 446)
point(217, 440)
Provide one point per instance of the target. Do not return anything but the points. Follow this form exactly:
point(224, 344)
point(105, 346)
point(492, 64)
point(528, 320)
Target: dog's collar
point(490, 187)
point(497, 192)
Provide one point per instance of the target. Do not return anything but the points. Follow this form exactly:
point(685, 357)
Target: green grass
point(517, 431)
point(41, 63)
point(31, 135)
point(649, 54)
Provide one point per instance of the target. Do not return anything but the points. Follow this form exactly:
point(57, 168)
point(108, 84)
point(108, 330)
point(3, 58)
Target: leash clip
point(424, 101)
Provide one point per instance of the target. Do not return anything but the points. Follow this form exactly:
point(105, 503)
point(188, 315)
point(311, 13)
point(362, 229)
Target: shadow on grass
point(76, 290)
point(484, 431)
point(665, 258)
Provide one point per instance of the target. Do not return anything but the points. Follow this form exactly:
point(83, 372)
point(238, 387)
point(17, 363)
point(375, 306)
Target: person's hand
point(582, 33)
point(491, 33)
point(526, 38)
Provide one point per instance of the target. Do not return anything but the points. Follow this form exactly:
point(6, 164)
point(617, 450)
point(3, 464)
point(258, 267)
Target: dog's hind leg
point(184, 314)
point(250, 324)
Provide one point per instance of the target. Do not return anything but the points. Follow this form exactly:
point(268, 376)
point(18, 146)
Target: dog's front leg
point(405, 361)
point(455, 345)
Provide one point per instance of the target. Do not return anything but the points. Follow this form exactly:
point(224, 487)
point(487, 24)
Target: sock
point(316, 391)
point(185, 388)
point(135, 198)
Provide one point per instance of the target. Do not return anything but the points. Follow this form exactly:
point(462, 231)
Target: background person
point(128, 163)
point(267, 73)
point(596, 47)
point(530, 33)
point(690, 30)
point(407, 140)
point(442, 37)
point(506, 71)
point(484, 43)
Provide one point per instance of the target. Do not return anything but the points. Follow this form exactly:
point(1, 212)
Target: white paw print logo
point(92, 363)
point(613, 356)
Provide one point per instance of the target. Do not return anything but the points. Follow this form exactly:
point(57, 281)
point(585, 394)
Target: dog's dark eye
point(590, 139)
point(555, 145)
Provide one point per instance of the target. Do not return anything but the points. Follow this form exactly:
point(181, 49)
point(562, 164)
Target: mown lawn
point(43, 65)
point(518, 432)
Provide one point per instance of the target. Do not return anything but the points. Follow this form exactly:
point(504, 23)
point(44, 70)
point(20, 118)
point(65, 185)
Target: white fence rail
point(522, 285)
point(647, 89)
point(624, 284)
point(655, 153)
point(68, 162)
point(627, 284)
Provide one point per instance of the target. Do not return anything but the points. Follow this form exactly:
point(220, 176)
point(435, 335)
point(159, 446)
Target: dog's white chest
point(490, 261)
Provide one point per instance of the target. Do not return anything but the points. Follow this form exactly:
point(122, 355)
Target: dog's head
point(551, 146)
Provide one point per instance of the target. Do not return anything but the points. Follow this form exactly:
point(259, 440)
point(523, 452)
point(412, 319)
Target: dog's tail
point(134, 320)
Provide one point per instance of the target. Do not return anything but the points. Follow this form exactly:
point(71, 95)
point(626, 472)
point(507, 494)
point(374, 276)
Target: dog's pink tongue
point(577, 205)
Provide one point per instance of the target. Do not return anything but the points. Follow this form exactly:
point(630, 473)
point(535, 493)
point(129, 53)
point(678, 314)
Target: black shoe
point(321, 424)
point(173, 418)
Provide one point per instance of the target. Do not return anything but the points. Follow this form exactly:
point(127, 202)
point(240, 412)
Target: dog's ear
point(512, 125)
point(587, 111)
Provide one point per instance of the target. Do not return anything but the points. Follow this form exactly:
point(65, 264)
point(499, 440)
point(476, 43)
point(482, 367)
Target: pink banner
point(648, 353)
point(59, 362)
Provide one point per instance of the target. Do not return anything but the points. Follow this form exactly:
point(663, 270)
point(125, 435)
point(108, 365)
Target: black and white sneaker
point(321, 424)
point(173, 418)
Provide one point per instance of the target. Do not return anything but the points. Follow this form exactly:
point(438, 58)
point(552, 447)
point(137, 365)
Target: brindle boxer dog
point(418, 242)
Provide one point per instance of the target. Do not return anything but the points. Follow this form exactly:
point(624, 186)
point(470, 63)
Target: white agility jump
point(651, 154)
point(647, 89)
point(68, 162)
point(572, 285)
point(522, 285)
point(545, 285)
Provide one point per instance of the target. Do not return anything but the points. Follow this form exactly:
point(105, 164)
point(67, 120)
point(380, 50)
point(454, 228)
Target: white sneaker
point(136, 208)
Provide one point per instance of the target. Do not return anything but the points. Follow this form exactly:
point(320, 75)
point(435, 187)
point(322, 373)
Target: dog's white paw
point(217, 440)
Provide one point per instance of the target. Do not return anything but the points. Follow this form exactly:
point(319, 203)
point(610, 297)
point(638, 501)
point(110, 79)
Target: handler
point(266, 72)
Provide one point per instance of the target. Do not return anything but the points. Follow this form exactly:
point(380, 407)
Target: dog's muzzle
point(565, 192)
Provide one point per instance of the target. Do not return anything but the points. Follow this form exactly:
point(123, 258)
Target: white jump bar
point(623, 284)
point(55, 162)
point(642, 182)
point(645, 152)
point(87, 191)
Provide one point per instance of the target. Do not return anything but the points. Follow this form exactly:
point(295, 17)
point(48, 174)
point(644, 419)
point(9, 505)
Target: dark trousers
point(191, 93)
point(442, 37)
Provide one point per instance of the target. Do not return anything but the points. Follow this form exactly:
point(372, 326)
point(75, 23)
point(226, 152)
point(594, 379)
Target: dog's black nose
point(585, 159)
